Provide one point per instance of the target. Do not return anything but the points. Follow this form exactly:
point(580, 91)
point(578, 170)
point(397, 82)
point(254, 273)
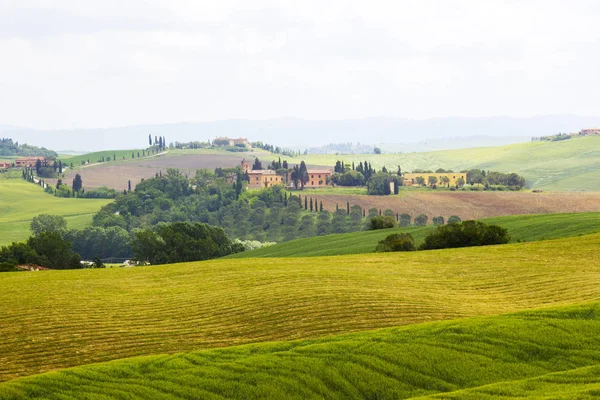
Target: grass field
point(552, 353)
point(57, 319)
point(20, 201)
point(560, 166)
point(521, 228)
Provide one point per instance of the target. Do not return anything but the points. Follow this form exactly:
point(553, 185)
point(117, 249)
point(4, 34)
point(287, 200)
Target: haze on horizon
point(70, 64)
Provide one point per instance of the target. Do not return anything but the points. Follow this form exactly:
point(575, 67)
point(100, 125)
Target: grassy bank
point(21, 201)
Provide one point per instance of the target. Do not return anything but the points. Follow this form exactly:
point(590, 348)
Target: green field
point(57, 319)
point(97, 155)
point(561, 166)
point(554, 352)
point(20, 201)
point(521, 228)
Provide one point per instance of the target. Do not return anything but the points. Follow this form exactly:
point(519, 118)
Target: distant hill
point(10, 148)
point(566, 165)
point(299, 133)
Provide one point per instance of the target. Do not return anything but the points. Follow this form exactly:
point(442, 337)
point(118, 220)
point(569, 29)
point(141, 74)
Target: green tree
point(405, 220)
point(47, 223)
point(77, 183)
point(54, 252)
point(382, 222)
point(454, 219)
point(324, 223)
point(421, 220)
point(339, 223)
point(419, 180)
point(432, 180)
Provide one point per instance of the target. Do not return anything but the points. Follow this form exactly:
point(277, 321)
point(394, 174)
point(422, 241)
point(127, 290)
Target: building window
point(319, 176)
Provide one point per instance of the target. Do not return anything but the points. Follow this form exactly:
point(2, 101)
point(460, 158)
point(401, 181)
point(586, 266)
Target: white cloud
point(68, 63)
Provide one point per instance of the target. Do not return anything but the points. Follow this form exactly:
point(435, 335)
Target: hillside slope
point(57, 319)
point(560, 166)
point(429, 359)
point(520, 227)
point(20, 201)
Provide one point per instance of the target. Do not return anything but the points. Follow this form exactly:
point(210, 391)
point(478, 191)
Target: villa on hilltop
point(265, 178)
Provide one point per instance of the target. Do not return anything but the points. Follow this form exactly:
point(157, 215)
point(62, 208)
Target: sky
point(106, 63)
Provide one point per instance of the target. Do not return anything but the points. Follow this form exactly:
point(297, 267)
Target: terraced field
point(20, 201)
point(551, 353)
point(58, 319)
point(521, 228)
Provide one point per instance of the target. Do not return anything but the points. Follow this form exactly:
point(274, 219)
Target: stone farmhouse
point(28, 161)
point(265, 178)
point(410, 178)
point(590, 131)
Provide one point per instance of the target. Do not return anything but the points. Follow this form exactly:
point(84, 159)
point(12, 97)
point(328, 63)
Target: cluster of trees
point(53, 246)
point(389, 220)
point(552, 138)
point(159, 141)
point(275, 149)
point(493, 179)
point(47, 249)
point(453, 235)
point(10, 148)
point(266, 215)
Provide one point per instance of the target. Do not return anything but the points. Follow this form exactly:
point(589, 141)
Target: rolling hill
point(58, 319)
point(21, 201)
point(569, 165)
point(521, 228)
point(547, 352)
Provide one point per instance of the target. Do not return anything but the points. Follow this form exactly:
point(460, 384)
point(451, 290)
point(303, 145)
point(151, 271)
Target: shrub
point(382, 222)
point(465, 234)
point(438, 221)
point(405, 220)
point(8, 267)
point(421, 220)
point(454, 219)
point(397, 242)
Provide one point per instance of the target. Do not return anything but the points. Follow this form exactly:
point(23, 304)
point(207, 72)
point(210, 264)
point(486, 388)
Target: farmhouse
point(263, 178)
point(590, 131)
point(453, 177)
point(318, 178)
point(225, 141)
point(28, 161)
point(5, 165)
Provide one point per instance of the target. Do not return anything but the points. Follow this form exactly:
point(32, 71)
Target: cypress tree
point(321, 206)
point(311, 204)
point(336, 207)
point(347, 208)
point(129, 185)
point(306, 202)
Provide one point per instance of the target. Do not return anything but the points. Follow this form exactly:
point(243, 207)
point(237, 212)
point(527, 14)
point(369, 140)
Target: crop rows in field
point(536, 353)
point(54, 320)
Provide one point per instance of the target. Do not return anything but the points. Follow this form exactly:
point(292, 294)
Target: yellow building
point(263, 178)
point(453, 177)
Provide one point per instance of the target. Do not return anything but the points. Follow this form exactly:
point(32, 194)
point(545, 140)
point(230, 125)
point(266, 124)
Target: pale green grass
point(20, 201)
point(57, 319)
point(520, 227)
point(491, 356)
point(566, 165)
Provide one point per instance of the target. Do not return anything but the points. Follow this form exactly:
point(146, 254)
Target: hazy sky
point(102, 63)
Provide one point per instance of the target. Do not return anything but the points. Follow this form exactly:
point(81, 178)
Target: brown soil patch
point(116, 175)
point(470, 205)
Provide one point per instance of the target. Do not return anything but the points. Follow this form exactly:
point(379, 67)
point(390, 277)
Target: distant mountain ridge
point(299, 133)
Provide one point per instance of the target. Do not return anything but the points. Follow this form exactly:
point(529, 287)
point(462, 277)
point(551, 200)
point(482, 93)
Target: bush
point(397, 242)
point(465, 234)
point(382, 222)
point(8, 267)
point(421, 220)
point(454, 219)
point(405, 220)
point(438, 221)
